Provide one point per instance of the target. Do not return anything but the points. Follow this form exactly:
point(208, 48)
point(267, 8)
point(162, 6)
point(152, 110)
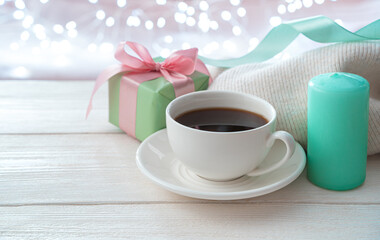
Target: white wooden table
point(62, 177)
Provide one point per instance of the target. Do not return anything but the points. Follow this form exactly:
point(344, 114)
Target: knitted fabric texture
point(284, 83)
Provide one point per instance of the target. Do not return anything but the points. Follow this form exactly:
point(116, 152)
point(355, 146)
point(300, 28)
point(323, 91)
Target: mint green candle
point(337, 130)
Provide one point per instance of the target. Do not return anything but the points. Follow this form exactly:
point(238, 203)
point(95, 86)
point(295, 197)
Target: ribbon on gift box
point(176, 69)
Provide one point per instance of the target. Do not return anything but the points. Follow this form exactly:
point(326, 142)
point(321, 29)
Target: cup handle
point(290, 147)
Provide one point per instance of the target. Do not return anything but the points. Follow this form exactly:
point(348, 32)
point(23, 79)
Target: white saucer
point(157, 161)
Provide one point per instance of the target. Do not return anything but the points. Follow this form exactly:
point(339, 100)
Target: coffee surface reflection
point(221, 119)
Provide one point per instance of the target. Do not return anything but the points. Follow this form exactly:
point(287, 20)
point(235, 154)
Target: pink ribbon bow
point(175, 69)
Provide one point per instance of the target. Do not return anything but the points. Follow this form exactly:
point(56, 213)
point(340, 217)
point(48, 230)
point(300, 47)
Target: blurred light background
point(75, 39)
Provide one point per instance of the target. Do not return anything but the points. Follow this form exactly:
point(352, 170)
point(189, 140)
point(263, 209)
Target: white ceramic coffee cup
point(222, 156)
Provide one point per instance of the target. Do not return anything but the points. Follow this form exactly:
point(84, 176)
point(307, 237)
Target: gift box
point(152, 99)
point(140, 88)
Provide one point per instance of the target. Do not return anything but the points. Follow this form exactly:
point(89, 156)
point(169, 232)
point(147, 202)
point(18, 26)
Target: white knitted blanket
point(284, 83)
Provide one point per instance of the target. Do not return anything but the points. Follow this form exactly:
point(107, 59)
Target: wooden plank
point(52, 107)
point(32, 94)
point(192, 221)
point(100, 168)
point(55, 121)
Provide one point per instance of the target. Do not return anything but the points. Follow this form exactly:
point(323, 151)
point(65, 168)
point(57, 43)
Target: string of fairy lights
point(39, 27)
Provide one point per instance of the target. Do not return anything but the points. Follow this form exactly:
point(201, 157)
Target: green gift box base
point(152, 99)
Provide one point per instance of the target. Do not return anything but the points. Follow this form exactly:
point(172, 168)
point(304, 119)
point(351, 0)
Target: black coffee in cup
point(221, 119)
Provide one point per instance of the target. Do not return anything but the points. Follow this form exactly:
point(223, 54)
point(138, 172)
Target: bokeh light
point(66, 38)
